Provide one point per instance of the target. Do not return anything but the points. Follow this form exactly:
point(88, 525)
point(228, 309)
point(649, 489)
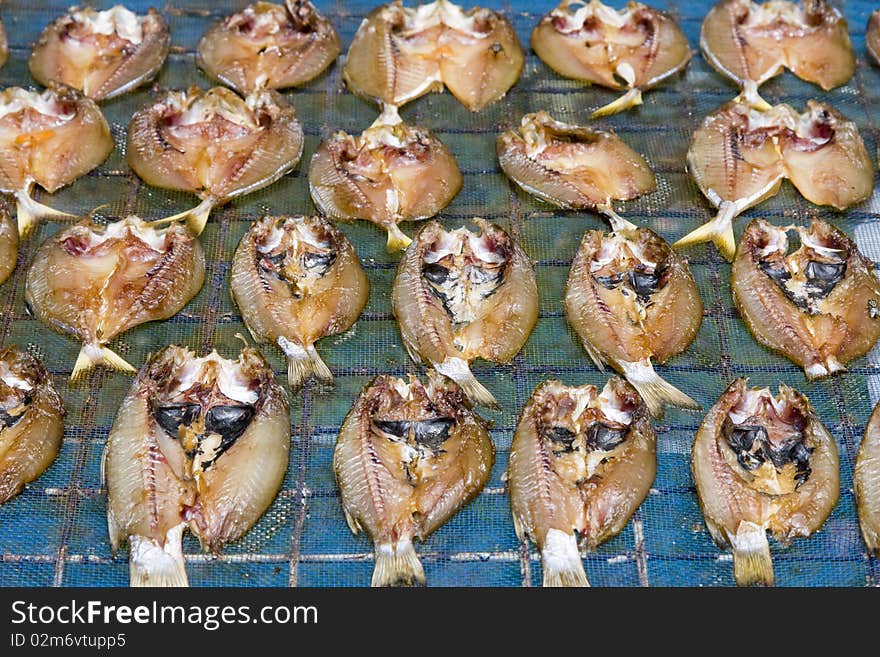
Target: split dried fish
point(31, 416)
point(762, 462)
point(198, 443)
point(4, 45)
point(752, 42)
point(872, 36)
point(572, 166)
point(407, 458)
point(633, 300)
point(866, 482)
point(94, 282)
point(740, 155)
point(401, 53)
point(296, 280)
point(103, 54)
point(8, 243)
point(50, 139)
point(269, 46)
point(391, 173)
point(634, 48)
point(581, 463)
point(214, 144)
point(818, 305)
point(459, 295)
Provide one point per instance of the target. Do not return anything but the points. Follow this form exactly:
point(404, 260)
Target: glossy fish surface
point(48, 139)
point(740, 155)
point(390, 173)
point(581, 463)
point(101, 53)
point(8, 243)
point(866, 483)
point(819, 304)
point(94, 282)
point(198, 443)
point(269, 46)
point(633, 48)
point(572, 166)
point(461, 295)
point(633, 301)
point(31, 417)
point(872, 37)
point(407, 458)
point(215, 144)
point(763, 463)
point(401, 53)
point(295, 280)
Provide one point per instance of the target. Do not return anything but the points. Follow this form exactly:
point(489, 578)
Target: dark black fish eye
point(172, 416)
point(742, 437)
point(644, 284)
point(560, 435)
point(397, 428)
point(602, 437)
point(229, 421)
point(823, 276)
point(778, 274)
point(433, 433)
point(319, 261)
point(435, 273)
point(610, 282)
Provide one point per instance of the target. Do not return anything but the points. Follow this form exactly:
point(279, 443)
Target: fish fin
point(397, 565)
point(751, 555)
point(92, 355)
point(820, 370)
point(631, 98)
point(196, 218)
point(458, 370)
point(303, 362)
point(562, 561)
point(719, 231)
point(594, 355)
point(617, 222)
point(653, 389)
point(397, 239)
point(28, 211)
point(153, 565)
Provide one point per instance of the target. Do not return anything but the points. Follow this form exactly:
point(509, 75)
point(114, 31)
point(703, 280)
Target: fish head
point(634, 262)
point(299, 250)
point(20, 374)
point(218, 113)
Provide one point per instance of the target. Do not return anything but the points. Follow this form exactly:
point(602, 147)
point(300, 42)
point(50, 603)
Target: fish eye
point(560, 435)
point(435, 273)
point(8, 419)
point(823, 276)
point(172, 416)
point(321, 261)
point(433, 433)
point(229, 421)
point(644, 284)
point(602, 437)
point(397, 428)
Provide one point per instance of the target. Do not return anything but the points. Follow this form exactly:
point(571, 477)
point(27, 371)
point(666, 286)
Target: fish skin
point(4, 45)
point(8, 243)
point(872, 37)
point(866, 483)
point(30, 445)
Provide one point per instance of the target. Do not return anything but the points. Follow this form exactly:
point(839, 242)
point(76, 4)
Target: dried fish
point(94, 282)
point(819, 305)
point(296, 280)
point(214, 144)
point(866, 482)
point(762, 462)
point(198, 443)
point(459, 295)
point(572, 166)
point(4, 45)
point(269, 46)
point(632, 299)
point(407, 458)
point(8, 243)
point(581, 463)
point(740, 155)
point(399, 54)
point(391, 173)
point(750, 43)
point(103, 54)
point(634, 48)
point(50, 139)
point(31, 415)
point(872, 36)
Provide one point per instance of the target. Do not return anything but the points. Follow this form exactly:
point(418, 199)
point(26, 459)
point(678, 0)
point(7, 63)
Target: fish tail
point(397, 239)
point(303, 362)
point(561, 561)
point(751, 555)
point(617, 222)
point(631, 98)
point(751, 96)
point(153, 565)
point(719, 231)
point(196, 218)
point(819, 370)
point(398, 565)
point(28, 211)
point(91, 355)
point(654, 390)
point(458, 370)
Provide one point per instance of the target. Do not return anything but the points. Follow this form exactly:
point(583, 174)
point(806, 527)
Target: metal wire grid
point(54, 533)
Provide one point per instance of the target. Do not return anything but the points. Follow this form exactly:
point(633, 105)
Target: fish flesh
point(762, 462)
point(392, 172)
point(8, 243)
point(459, 295)
point(295, 280)
point(4, 45)
point(872, 36)
point(401, 53)
point(632, 300)
point(94, 282)
point(31, 421)
point(751, 42)
point(269, 46)
point(581, 463)
point(103, 54)
point(739, 156)
point(572, 166)
point(48, 138)
point(866, 483)
point(407, 458)
point(215, 144)
point(198, 443)
point(634, 48)
point(818, 305)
